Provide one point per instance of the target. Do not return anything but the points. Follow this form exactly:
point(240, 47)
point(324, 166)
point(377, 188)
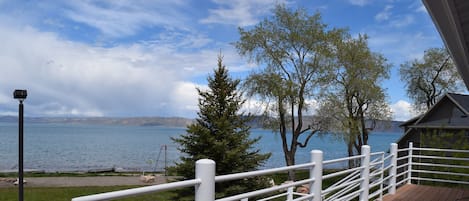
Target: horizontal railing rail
point(243, 175)
point(438, 165)
point(140, 191)
point(439, 150)
point(264, 191)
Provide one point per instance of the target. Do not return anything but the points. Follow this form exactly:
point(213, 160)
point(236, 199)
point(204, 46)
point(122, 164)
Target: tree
point(295, 49)
point(429, 78)
point(220, 133)
point(354, 95)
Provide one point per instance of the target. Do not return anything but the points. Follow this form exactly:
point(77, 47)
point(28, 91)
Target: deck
point(412, 192)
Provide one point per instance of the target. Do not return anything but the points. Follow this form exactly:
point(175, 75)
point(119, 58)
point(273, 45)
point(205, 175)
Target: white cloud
point(124, 18)
point(321, 7)
point(239, 12)
point(253, 106)
point(385, 14)
point(421, 9)
point(401, 46)
point(402, 21)
point(70, 78)
point(418, 7)
point(402, 110)
point(395, 21)
point(184, 98)
point(257, 107)
point(359, 2)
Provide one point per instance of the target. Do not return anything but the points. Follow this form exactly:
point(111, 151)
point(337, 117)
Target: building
point(450, 115)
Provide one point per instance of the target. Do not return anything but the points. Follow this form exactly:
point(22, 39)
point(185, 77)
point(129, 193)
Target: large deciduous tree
point(220, 133)
point(354, 97)
point(429, 78)
point(294, 49)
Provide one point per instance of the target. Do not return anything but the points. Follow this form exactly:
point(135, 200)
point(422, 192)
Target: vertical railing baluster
point(205, 171)
point(315, 172)
point(393, 171)
point(381, 177)
point(290, 193)
point(409, 163)
point(365, 173)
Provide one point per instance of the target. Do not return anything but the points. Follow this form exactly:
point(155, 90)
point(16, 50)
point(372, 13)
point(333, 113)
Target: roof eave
point(441, 126)
point(447, 23)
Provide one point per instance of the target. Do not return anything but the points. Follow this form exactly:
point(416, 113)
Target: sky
point(146, 58)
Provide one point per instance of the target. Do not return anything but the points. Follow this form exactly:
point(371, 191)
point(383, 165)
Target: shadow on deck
point(412, 192)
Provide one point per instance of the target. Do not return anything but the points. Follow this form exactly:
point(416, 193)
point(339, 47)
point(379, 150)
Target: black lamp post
point(21, 96)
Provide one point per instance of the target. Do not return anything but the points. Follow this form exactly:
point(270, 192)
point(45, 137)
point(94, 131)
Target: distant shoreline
point(129, 121)
point(381, 126)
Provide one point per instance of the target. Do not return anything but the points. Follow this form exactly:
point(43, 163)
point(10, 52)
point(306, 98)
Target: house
point(449, 115)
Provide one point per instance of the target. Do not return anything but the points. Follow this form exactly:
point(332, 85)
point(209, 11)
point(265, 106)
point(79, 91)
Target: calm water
point(69, 147)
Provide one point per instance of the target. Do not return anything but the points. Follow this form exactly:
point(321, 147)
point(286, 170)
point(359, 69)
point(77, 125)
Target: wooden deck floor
point(412, 192)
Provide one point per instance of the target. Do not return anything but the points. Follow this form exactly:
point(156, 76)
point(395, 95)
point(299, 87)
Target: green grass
point(67, 193)
point(71, 174)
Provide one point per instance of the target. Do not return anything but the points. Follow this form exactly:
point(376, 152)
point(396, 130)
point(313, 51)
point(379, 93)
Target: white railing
point(430, 164)
point(376, 175)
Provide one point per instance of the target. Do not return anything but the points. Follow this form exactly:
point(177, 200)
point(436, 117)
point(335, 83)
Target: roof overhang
point(451, 18)
point(443, 127)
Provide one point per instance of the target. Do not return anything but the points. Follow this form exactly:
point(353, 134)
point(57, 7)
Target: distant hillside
point(134, 121)
point(388, 126)
point(8, 119)
point(256, 122)
point(380, 125)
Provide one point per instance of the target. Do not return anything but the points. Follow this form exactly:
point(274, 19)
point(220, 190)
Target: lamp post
point(21, 96)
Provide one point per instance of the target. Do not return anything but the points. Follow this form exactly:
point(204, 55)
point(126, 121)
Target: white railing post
point(290, 193)
point(409, 163)
point(365, 173)
point(315, 172)
point(205, 171)
point(381, 176)
point(393, 173)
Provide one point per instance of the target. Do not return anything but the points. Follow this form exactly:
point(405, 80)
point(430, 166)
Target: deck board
point(412, 192)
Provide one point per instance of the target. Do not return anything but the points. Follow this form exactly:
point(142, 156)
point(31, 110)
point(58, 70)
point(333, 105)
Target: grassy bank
point(67, 193)
point(72, 174)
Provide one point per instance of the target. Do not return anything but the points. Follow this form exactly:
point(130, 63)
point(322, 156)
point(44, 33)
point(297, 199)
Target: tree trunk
point(289, 157)
point(364, 129)
point(350, 153)
point(290, 160)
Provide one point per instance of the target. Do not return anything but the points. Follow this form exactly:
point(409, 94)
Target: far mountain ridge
point(256, 122)
point(132, 121)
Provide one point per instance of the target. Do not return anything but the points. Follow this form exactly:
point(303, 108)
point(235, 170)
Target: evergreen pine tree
point(220, 133)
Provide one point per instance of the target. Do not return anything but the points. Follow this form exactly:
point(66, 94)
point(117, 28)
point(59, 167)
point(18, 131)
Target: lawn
point(67, 193)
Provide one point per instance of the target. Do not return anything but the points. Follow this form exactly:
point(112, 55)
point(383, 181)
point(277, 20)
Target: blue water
point(72, 147)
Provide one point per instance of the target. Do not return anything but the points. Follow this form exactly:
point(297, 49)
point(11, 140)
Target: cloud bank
point(71, 78)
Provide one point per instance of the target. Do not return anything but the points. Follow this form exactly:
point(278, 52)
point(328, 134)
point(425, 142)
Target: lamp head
point(20, 94)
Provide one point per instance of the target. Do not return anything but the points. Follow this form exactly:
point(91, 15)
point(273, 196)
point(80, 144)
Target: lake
point(74, 147)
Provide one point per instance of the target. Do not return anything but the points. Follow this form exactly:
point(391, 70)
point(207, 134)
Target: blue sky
point(145, 58)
